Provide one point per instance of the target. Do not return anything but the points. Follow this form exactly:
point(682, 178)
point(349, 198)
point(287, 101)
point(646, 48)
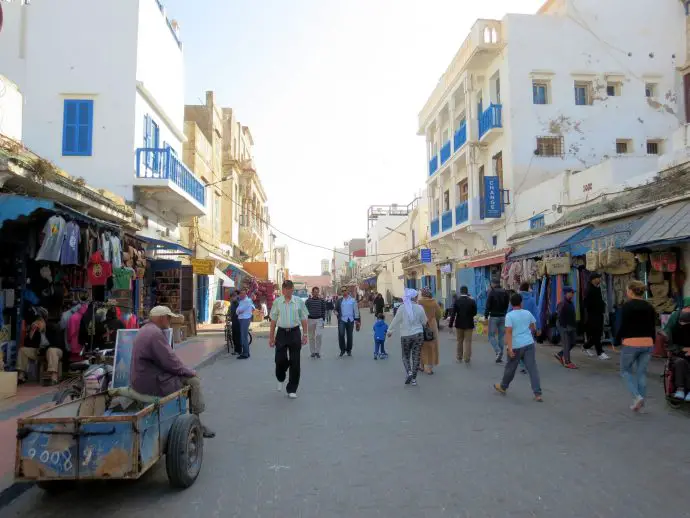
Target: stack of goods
point(659, 287)
point(266, 292)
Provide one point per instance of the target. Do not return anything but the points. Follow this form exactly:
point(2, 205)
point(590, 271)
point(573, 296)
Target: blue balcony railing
point(447, 221)
point(445, 152)
point(433, 165)
point(434, 227)
point(490, 119)
point(460, 136)
point(462, 213)
point(163, 164)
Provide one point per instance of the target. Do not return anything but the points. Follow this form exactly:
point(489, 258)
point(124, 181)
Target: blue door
point(481, 287)
point(202, 298)
point(465, 277)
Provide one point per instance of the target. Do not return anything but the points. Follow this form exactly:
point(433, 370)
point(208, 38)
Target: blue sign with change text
point(425, 255)
point(492, 197)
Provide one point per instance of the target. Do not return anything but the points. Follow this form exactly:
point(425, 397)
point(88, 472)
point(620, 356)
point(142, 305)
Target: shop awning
point(666, 226)
point(236, 273)
point(164, 247)
point(539, 245)
point(371, 281)
point(489, 259)
point(615, 232)
point(227, 281)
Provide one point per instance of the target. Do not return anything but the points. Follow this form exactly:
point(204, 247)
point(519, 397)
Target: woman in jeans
point(637, 334)
point(411, 318)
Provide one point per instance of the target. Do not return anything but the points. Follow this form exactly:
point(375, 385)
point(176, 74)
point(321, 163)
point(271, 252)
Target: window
point(446, 201)
point(583, 91)
point(653, 147)
point(623, 146)
point(613, 89)
point(494, 240)
point(550, 146)
point(77, 127)
point(497, 161)
point(463, 191)
point(540, 92)
point(151, 141)
point(650, 89)
point(537, 222)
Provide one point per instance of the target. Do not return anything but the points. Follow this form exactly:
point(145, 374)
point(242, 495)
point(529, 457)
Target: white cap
point(163, 311)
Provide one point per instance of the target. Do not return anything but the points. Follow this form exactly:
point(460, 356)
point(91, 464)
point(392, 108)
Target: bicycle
point(229, 344)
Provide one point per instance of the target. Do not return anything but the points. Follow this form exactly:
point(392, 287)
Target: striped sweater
point(316, 308)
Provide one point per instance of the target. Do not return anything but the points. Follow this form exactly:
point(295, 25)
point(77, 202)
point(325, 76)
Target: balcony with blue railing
point(433, 165)
point(460, 137)
point(490, 119)
point(447, 221)
point(462, 213)
point(434, 227)
point(169, 181)
point(445, 152)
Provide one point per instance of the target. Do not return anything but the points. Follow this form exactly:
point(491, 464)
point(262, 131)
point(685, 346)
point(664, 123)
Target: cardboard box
point(8, 384)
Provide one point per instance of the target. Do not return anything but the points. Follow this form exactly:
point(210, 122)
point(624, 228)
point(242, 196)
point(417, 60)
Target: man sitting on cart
point(156, 370)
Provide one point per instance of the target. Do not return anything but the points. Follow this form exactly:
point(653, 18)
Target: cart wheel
point(185, 451)
point(56, 487)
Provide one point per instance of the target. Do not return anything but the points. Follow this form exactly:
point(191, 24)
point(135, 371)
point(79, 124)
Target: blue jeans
point(379, 346)
point(497, 332)
point(638, 358)
point(345, 335)
point(244, 335)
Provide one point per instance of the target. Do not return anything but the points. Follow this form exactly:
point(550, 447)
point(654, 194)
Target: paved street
point(357, 443)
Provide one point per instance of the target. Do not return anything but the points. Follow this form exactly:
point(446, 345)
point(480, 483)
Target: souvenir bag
point(558, 265)
point(664, 261)
point(626, 264)
point(613, 254)
point(592, 259)
point(541, 268)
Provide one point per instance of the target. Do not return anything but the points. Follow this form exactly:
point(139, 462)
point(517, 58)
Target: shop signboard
point(446, 268)
point(203, 266)
point(425, 254)
point(123, 355)
point(492, 197)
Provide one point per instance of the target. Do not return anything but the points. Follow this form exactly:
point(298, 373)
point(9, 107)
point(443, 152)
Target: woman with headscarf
point(411, 318)
point(433, 314)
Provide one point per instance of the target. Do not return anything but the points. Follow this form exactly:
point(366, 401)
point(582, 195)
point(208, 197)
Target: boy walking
point(380, 330)
point(520, 328)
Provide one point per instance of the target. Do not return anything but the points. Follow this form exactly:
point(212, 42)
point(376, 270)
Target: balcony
point(482, 45)
point(460, 137)
point(447, 221)
point(445, 152)
point(164, 178)
point(462, 213)
point(251, 235)
point(490, 120)
point(433, 165)
point(434, 227)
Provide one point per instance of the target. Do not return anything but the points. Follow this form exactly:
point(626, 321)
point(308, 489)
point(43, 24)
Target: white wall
point(11, 104)
point(376, 232)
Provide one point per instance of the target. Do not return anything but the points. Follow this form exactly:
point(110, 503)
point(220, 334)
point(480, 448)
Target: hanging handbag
point(558, 265)
point(592, 258)
point(428, 334)
point(613, 254)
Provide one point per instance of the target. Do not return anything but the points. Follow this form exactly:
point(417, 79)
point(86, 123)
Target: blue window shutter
point(77, 127)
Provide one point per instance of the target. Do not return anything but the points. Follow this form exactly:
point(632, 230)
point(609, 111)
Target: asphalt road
point(358, 443)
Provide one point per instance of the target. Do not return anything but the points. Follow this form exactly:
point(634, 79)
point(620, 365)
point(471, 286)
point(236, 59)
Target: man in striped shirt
point(287, 313)
point(317, 313)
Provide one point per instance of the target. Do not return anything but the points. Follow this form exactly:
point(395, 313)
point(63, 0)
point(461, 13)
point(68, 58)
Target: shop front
point(477, 274)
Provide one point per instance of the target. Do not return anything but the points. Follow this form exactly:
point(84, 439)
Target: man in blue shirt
point(245, 312)
point(520, 328)
point(347, 311)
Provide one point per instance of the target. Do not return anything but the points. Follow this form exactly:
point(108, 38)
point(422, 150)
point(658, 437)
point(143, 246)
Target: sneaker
point(538, 398)
point(500, 389)
point(570, 365)
point(687, 398)
point(499, 358)
point(413, 382)
point(467, 361)
point(638, 403)
point(680, 394)
point(342, 353)
point(408, 380)
point(280, 386)
point(349, 353)
point(588, 352)
point(604, 356)
point(559, 358)
point(376, 356)
point(292, 395)
point(313, 356)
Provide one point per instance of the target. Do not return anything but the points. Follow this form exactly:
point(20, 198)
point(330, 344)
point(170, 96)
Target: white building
point(380, 219)
point(325, 267)
point(96, 97)
point(11, 104)
point(529, 97)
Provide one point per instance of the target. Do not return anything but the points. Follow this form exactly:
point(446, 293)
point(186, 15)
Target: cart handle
point(25, 431)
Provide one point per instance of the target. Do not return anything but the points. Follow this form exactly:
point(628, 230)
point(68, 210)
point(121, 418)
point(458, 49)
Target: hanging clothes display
point(99, 270)
point(69, 254)
point(116, 251)
point(53, 235)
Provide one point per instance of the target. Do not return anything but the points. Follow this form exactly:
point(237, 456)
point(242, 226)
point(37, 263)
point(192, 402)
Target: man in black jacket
point(567, 326)
point(462, 315)
point(235, 323)
point(595, 307)
point(496, 308)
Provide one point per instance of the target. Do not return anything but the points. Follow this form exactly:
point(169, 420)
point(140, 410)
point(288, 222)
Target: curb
point(17, 489)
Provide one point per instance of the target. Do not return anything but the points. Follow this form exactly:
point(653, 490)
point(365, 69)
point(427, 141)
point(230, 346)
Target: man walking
point(529, 303)
point(347, 311)
point(287, 314)
point(496, 308)
point(235, 325)
point(595, 307)
point(520, 329)
point(316, 307)
point(245, 312)
point(462, 315)
point(567, 324)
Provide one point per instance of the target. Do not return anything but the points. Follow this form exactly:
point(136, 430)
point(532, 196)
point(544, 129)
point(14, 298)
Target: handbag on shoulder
point(428, 334)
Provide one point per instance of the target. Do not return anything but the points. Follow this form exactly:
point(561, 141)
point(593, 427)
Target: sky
point(331, 90)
